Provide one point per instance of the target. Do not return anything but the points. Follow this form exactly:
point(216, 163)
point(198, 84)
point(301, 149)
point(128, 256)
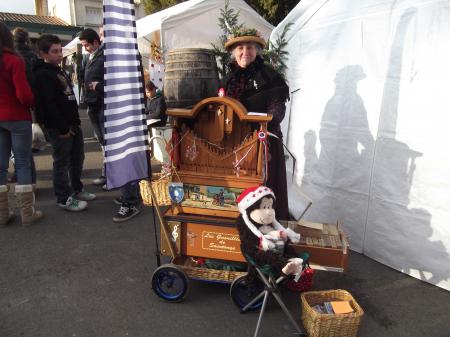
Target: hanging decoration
point(236, 163)
point(192, 151)
point(262, 136)
point(176, 192)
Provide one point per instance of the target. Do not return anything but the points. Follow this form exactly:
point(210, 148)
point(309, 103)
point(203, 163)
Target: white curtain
point(368, 124)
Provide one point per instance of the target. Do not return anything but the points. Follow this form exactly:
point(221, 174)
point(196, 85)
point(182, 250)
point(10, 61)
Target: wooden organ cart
point(218, 151)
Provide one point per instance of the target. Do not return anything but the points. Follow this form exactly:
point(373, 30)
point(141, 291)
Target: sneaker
point(118, 201)
point(73, 205)
point(99, 181)
point(85, 196)
point(126, 212)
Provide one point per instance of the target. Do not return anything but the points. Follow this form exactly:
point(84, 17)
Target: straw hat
point(244, 35)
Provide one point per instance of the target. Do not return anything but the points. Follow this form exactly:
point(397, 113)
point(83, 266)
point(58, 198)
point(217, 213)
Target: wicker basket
point(206, 274)
point(160, 188)
point(330, 325)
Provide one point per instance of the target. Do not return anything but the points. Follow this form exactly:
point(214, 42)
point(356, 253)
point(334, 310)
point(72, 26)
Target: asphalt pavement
point(82, 275)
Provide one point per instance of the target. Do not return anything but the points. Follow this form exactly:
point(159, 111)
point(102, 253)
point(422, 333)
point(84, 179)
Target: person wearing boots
point(22, 47)
point(16, 99)
point(94, 87)
point(57, 111)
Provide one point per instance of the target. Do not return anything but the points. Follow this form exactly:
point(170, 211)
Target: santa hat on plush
point(249, 197)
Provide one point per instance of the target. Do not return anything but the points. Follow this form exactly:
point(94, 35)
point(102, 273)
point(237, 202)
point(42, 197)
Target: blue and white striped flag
point(126, 150)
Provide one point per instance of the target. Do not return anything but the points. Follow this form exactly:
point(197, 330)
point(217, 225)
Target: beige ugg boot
point(25, 202)
point(6, 216)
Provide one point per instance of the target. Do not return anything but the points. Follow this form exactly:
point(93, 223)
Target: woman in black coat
point(261, 89)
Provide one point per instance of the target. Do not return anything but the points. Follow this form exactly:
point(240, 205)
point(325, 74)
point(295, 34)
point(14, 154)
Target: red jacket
point(16, 97)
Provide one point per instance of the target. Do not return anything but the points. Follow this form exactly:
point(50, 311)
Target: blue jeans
point(130, 193)
point(16, 136)
point(33, 168)
point(68, 159)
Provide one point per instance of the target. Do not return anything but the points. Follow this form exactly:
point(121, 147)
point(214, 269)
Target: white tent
point(368, 125)
point(190, 24)
point(193, 24)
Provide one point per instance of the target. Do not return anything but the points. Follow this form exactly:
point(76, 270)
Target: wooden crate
point(334, 256)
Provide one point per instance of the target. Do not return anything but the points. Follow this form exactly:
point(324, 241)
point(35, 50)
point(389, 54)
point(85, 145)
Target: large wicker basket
point(330, 325)
point(206, 274)
point(160, 188)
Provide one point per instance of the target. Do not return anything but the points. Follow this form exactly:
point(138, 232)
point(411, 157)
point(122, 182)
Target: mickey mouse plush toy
point(263, 238)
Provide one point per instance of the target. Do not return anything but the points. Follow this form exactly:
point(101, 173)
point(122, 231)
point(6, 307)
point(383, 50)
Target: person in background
point(155, 106)
point(16, 99)
point(155, 109)
point(261, 89)
point(93, 80)
point(22, 46)
point(57, 110)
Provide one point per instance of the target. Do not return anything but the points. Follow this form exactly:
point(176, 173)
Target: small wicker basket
point(160, 188)
point(330, 325)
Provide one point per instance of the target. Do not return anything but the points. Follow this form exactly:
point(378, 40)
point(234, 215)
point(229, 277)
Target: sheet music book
point(254, 113)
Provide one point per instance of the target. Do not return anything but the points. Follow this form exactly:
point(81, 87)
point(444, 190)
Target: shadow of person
point(337, 179)
point(368, 187)
point(345, 138)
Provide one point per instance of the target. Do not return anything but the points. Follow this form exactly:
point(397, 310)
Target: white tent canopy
point(190, 24)
point(193, 24)
point(368, 124)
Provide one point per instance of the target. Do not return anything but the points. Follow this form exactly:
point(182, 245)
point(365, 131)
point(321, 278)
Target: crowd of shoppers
point(35, 89)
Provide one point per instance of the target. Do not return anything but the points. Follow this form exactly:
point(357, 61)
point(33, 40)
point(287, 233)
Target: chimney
point(41, 7)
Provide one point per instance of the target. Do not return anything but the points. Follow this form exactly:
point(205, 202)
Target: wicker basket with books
point(319, 323)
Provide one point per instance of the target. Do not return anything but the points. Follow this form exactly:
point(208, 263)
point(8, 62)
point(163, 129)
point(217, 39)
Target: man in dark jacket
point(94, 86)
point(57, 111)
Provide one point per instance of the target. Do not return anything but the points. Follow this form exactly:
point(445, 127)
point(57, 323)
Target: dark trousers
point(68, 159)
point(130, 193)
point(97, 118)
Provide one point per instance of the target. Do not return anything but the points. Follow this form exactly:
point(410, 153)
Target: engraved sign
point(221, 242)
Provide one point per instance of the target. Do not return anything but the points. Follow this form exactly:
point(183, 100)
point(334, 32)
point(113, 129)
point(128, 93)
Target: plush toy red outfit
point(263, 238)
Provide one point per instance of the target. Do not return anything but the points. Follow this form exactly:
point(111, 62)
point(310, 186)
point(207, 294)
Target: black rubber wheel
point(241, 294)
point(170, 283)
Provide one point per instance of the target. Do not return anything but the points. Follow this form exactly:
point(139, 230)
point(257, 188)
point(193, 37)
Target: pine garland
point(276, 53)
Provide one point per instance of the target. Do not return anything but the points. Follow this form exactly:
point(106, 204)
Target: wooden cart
point(218, 151)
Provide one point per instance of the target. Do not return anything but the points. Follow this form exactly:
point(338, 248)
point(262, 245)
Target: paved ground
point(81, 275)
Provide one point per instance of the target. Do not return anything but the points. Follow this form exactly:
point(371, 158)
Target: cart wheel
point(170, 283)
point(241, 294)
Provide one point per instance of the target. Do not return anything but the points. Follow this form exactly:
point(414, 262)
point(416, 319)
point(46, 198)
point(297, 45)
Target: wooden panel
point(175, 235)
point(217, 238)
point(212, 179)
point(205, 211)
point(216, 242)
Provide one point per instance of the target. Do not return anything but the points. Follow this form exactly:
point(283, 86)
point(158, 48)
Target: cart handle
point(163, 223)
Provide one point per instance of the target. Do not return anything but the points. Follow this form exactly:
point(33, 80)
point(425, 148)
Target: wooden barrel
point(191, 75)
